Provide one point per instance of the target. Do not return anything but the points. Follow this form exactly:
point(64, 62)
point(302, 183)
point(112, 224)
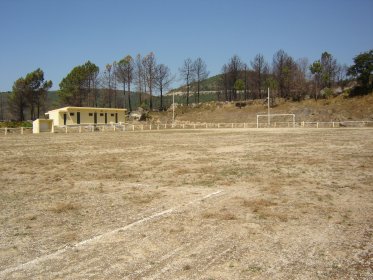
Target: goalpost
point(269, 115)
point(290, 122)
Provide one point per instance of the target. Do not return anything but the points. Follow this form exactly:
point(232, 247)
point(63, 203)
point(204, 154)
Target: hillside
point(210, 84)
point(332, 109)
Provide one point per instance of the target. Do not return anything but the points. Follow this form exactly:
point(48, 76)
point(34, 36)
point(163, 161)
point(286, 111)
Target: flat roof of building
point(70, 108)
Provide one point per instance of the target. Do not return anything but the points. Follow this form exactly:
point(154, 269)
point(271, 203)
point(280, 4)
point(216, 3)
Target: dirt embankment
point(332, 109)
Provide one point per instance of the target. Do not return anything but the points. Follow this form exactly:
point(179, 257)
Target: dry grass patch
point(141, 198)
point(224, 215)
point(63, 207)
point(257, 204)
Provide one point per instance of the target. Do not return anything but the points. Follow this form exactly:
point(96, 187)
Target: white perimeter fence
point(145, 127)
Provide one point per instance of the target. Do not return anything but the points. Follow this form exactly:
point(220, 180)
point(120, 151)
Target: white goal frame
point(269, 118)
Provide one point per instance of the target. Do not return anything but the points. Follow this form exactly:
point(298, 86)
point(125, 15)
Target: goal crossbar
point(273, 115)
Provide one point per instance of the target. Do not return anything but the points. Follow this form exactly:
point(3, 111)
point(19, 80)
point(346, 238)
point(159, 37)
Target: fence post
point(65, 129)
point(218, 125)
point(150, 127)
point(206, 125)
point(317, 125)
point(80, 129)
point(232, 125)
point(183, 125)
point(133, 127)
point(114, 127)
point(22, 130)
point(157, 127)
point(6, 131)
point(333, 124)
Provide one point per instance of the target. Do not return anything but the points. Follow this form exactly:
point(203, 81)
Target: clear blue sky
point(57, 35)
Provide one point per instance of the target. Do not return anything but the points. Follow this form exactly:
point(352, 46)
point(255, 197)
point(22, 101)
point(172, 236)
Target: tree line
point(144, 78)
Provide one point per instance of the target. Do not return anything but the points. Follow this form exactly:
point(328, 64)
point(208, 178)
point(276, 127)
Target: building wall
point(56, 117)
point(86, 116)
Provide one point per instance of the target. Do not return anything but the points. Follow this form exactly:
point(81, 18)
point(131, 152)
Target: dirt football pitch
point(193, 204)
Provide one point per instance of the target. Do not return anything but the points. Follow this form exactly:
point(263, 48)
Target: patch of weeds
point(187, 267)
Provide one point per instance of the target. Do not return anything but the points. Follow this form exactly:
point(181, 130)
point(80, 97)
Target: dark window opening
point(112, 115)
point(101, 114)
point(90, 114)
point(71, 114)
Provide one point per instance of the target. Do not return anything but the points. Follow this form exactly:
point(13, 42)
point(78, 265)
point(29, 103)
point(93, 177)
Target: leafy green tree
point(239, 85)
point(328, 69)
point(79, 87)
point(316, 70)
point(29, 92)
point(363, 69)
point(17, 100)
point(36, 89)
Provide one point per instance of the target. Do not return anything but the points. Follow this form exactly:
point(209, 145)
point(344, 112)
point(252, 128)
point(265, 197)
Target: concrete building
point(42, 125)
point(86, 115)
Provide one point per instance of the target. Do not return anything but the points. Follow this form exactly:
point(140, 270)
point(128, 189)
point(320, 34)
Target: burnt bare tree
point(261, 69)
point(224, 80)
point(235, 66)
point(124, 74)
point(283, 70)
point(187, 74)
point(149, 63)
point(139, 77)
point(201, 73)
point(107, 85)
point(163, 80)
point(245, 73)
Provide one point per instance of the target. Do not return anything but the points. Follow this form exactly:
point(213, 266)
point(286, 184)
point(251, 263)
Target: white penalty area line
point(96, 238)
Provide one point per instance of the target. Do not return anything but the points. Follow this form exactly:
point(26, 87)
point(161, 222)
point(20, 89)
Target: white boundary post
point(269, 119)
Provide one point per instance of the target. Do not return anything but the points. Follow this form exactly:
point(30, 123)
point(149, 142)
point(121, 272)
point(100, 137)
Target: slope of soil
point(332, 109)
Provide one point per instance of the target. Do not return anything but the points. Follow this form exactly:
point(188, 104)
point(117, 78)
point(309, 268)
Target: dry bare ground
point(207, 204)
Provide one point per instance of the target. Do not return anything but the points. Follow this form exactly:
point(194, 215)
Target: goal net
point(275, 120)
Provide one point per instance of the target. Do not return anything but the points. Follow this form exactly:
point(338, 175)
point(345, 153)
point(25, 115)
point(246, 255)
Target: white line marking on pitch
point(96, 238)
